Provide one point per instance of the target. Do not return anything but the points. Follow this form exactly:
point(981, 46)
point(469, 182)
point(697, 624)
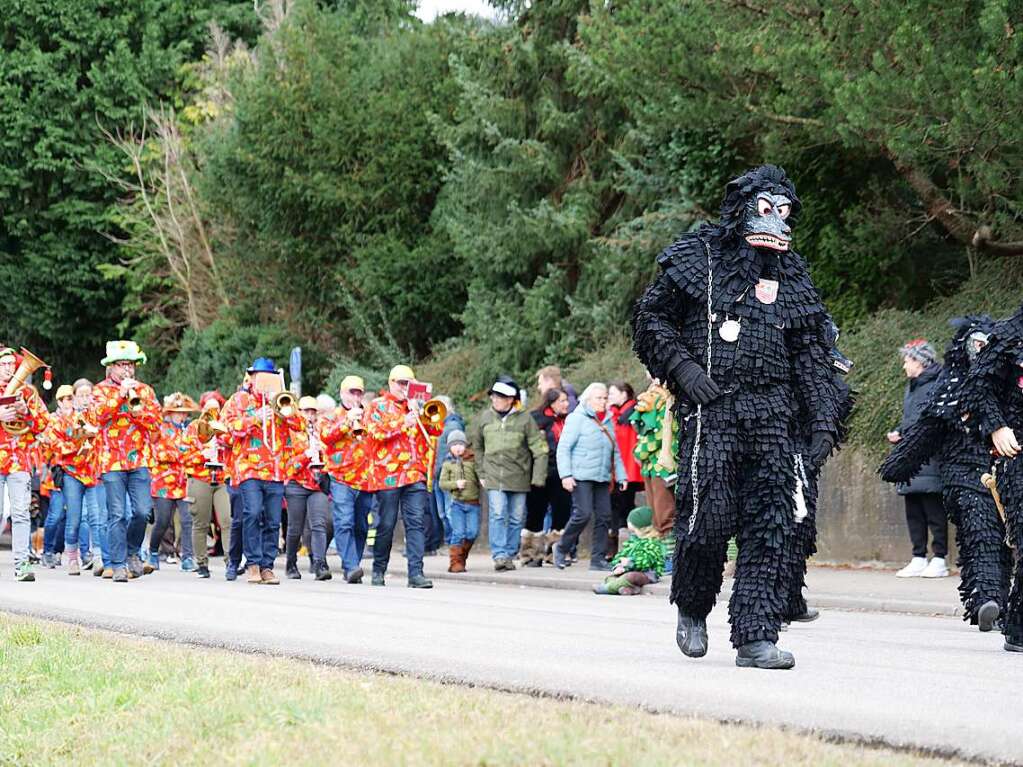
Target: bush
point(218, 356)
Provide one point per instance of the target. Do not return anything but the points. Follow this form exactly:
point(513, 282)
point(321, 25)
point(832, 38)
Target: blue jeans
point(53, 527)
point(443, 500)
point(507, 513)
point(465, 521)
point(76, 530)
point(95, 513)
point(234, 554)
point(129, 503)
point(261, 521)
point(350, 509)
point(412, 501)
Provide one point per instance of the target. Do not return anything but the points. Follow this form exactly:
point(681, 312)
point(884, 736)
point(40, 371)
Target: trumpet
point(208, 425)
point(134, 400)
point(29, 364)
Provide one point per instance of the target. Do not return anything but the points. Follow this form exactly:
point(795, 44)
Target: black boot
point(763, 654)
point(291, 568)
point(1013, 644)
point(691, 636)
point(808, 615)
point(323, 571)
point(987, 614)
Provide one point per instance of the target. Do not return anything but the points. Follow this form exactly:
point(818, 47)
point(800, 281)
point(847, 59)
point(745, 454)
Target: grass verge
point(91, 697)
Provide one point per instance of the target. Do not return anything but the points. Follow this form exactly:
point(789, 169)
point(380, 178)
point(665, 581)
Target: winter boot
point(323, 571)
point(456, 557)
point(763, 654)
point(549, 540)
point(291, 568)
point(466, 547)
point(691, 635)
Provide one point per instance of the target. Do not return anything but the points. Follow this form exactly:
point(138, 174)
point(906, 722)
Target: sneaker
point(152, 564)
point(172, 559)
point(202, 571)
point(560, 560)
point(600, 566)
point(914, 569)
point(936, 568)
point(88, 562)
point(48, 561)
point(355, 576)
point(23, 573)
point(231, 572)
point(134, 566)
point(108, 573)
point(73, 568)
point(187, 565)
point(323, 571)
point(120, 575)
point(97, 570)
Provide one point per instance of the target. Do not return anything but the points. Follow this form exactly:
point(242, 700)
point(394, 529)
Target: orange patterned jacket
point(16, 450)
point(299, 469)
point(255, 454)
point(169, 453)
point(78, 458)
point(347, 453)
point(195, 461)
point(403, 453)
point(125, 438)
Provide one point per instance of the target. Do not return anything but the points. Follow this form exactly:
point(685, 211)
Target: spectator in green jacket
point(511, 456)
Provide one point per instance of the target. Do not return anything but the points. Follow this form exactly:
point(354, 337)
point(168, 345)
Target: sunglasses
point(360, 392)
point(402, 381)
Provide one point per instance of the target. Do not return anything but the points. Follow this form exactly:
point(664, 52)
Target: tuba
point(29, 364)
point(284, 404)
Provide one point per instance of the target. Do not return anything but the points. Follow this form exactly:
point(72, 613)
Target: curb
point(848, 602)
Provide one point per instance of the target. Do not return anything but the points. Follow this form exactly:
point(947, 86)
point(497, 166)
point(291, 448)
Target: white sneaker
point(936, 568)
point(914, 569)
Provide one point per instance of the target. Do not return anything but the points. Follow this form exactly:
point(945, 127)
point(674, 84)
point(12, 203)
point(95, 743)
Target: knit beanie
point(457, 437)
point(640, 517)
point(919, 349)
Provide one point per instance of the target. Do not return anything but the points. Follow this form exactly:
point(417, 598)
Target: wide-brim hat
point(179, 403)
point(123, 351)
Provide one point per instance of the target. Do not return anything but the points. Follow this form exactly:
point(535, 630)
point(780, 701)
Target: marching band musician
point(353, 476)
point(69, 442)
point(127, 414)
point(85, 469)
point(15, 461)
point(305, 495)
point(402, 445)
point(206, 467)
point(170, 480)
point(260, 439)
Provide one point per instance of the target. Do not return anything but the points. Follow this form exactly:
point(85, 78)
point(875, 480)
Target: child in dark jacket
point(458, 477)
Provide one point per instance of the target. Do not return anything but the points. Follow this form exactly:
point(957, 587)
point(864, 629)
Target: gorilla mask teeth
point(767, 241)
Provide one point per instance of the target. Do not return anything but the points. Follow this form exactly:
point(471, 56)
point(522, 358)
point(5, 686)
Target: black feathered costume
point(768, 370)
point(985, 562)
point(804, 537)
point(992, 399)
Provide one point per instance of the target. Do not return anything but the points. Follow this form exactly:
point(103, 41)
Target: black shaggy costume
point(993, 398)
point(985, 562)
point(804, 536)
point(768, 370)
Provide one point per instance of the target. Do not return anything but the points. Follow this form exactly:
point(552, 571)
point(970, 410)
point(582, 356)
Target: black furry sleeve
point(921, 441)
point(819, 399)
point(656, 338)
point(984, 382)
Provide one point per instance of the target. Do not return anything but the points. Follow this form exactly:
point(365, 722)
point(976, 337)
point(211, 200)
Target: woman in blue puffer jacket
point(588, 462)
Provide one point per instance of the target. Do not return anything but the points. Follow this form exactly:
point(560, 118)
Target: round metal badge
point(729, 331)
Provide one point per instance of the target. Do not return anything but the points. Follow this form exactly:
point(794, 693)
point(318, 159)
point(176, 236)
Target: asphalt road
point(926, 682)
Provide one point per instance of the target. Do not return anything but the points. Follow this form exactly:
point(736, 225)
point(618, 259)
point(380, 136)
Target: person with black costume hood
point(924, 508)
point(984, 560)
point(992, 405)
point(732, 326)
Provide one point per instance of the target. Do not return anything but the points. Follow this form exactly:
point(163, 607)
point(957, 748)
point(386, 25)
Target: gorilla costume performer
point(992, 403)
point(732, 325)
point(804, 538)
point(985, 562)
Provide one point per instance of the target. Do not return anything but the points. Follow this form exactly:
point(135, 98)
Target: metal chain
point(694, 474)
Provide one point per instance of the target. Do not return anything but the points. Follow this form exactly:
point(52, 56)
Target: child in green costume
point(640, 559)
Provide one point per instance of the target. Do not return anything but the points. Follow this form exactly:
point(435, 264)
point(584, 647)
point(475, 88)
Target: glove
point(821, 445)
point(696, 384)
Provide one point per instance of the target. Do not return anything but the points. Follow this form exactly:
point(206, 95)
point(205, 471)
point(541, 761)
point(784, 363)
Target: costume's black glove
point(696, 384)
point(821, 445)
